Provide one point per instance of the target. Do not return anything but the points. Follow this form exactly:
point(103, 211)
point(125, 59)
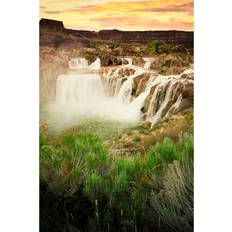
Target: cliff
point(48, 26)
point(51, 24)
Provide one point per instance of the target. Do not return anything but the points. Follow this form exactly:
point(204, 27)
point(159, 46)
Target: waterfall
point(78, 88)
point(165, 106)
point(78, 63)
point(82, 63)
point(85, 95)
point(129, 60)
point(148, 62)
point(158, 114)
point(125, 91)
point(161, 83)
point(96, 64)
point(161, 102)
point(138, 102)
point(81, 96)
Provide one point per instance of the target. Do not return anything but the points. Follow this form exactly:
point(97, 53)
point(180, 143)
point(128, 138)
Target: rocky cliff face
point(114, 36)
point(54, 25)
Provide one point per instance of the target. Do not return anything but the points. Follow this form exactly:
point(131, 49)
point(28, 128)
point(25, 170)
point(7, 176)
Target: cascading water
point(96, 64)
point(75, 88)
point(78, 63)
point(126, 89)
point(148, 62)
point(139, 101)
point(82, 95)
point(165, 84)
point(161, 103)
point(129, 60)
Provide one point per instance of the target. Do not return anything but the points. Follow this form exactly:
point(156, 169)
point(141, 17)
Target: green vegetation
point(94, 45)
point(90, 56)
point(115, 45)
point(160, 47)
point(86, 188)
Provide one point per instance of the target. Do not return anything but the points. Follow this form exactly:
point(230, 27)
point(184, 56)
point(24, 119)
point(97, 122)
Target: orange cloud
point(121, 14)
point(172, 24)
point(52, 12)
point(186, 7)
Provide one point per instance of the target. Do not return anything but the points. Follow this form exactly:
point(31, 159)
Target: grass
point(97, 191)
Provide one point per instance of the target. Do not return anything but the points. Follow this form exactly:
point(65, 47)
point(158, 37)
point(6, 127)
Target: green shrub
point(117, 192)
point(93, 45)
point(154, 47)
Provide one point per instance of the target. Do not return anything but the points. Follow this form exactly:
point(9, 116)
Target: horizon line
point(92, 30)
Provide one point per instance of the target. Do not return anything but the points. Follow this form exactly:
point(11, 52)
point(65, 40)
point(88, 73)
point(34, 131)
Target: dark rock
point(51, 24)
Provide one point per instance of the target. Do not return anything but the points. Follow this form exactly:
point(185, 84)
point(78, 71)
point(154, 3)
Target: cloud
point(52, 11)
point(135, 6)
point(147, 24)
point(186, 7)
point(121, 14)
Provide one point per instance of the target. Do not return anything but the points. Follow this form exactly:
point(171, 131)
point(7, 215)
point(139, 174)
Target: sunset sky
point(120, 14)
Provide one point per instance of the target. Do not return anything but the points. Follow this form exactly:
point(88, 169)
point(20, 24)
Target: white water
point(96, 64)
point(162, 83)
point(81, 96)
point(138, 102)
point(148, 62)
point(84, 95)
point(78, 63)
point(129, 60)
point(158, 114)
point(126, 89)
point(82, 63)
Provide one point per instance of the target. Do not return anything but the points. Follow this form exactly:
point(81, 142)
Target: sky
point(120, 14)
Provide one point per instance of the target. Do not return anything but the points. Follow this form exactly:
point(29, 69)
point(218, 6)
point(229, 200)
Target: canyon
point(139, 87)
point(116, 130)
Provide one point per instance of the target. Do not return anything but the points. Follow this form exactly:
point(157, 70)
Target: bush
point(93, 45)
point(154, 47)
point(114, 193)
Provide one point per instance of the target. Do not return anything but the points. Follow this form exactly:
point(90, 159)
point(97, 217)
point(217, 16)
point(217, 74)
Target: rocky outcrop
point(52, 25)
point(106, 58)
point(140, 82)
point(172, 63)
point(109, 60)
point(138, 61)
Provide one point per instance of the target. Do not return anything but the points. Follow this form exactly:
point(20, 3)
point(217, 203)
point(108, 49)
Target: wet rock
point(188, 90)
point(140, 81)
